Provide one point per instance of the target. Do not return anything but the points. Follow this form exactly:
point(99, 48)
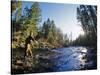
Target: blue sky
point(64, 16)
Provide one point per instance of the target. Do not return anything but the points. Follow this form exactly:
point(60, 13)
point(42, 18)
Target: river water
point(62, 59)
point(71, 59)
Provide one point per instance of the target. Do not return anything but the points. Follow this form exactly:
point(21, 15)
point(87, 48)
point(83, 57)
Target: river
point(72, 59)
point(60, 59)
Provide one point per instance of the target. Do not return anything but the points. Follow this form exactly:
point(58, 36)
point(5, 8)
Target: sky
point(64, 16)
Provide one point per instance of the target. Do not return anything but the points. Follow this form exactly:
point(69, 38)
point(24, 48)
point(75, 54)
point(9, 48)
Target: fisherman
point(28, 45)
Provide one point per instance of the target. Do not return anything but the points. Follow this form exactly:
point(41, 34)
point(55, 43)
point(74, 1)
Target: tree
point(23, 24)
point(33, 17)
point(16, 15)
point(87, 16)
point(52, 35)
point(45, 29)
point(15, 5)
point(59, 37)
point(66, 40)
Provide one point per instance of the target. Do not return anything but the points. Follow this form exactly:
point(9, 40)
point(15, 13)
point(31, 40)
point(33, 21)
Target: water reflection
point(71, 58)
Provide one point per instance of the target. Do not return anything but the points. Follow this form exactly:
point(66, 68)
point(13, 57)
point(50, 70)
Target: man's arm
point(33, 39)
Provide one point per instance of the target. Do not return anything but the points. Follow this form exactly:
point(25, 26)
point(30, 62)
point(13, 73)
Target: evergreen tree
point(87, 16)
point(33, 17)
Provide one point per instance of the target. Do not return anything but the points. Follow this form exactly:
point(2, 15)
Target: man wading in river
point(28, 45)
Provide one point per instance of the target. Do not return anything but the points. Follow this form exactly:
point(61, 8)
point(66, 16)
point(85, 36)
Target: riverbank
point(91, 62)
point(41, 61)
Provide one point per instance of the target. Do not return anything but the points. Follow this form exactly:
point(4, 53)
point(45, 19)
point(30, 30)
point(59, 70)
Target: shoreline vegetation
point(48, 38)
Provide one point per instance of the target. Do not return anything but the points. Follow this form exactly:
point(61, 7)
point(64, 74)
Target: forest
point(47, 36)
